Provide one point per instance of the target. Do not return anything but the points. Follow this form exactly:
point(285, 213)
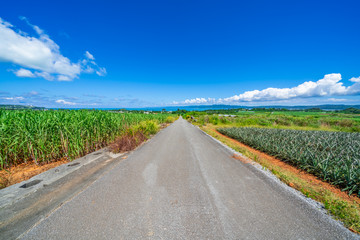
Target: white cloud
point(101, 72)
point(24, 73)
point(337, 100)
point(327, 86)
point(89, 69)
point(89, 55)
point(199, 100)
point(90, 66)
point(330, 85)
point(63, 78)
point(353, 79)
point(40, 53)
point(45, 75)
point(14, 98)
point(61, 101)
point(27, 73)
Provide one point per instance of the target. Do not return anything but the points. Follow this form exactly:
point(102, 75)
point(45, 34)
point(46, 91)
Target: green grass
point(325, 121)
point(44, 136)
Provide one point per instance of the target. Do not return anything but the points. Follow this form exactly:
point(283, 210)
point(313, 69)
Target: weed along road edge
point(182, 184)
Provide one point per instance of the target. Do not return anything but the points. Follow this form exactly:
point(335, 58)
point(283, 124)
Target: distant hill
point(19, 107)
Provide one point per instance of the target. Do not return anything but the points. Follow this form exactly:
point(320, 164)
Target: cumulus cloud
point(63, 78)
point(40, 55)
point(330, 85)
point(353, 79)
point(24, 73)
point(62, 101)
point(27, 73)
point(199, 100)
point(78, 103)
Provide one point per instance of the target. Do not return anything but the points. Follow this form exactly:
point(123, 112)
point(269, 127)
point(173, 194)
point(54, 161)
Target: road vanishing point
point(183, 184)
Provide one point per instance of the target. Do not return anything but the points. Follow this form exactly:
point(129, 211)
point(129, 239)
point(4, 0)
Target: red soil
point(25, 171)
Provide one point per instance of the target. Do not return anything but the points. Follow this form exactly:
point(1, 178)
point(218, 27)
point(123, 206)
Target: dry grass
point(127, 142)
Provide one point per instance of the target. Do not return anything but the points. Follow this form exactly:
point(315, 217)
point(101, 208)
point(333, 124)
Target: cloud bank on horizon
point(40, 56)
point(330, 85)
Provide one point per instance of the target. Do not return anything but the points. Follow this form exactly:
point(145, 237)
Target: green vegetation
point(300, 120)
point(147, 127)
point(332, 156)
point(19, 107)
point(44, 136)
point(170, 119)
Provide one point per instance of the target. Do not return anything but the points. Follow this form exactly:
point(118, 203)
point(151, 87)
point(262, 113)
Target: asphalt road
point(182, 184)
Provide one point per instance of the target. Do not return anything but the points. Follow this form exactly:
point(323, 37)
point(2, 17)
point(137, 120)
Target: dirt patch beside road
point(25, 171)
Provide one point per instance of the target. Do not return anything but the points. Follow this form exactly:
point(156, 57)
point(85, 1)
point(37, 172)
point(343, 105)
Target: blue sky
point(160, 53)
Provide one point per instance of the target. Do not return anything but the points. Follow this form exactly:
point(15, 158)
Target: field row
point(314, 121)
point(43, 136)
point(332, 156)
